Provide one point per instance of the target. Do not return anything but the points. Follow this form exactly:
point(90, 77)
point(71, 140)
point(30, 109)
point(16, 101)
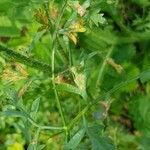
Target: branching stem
point(54, 43)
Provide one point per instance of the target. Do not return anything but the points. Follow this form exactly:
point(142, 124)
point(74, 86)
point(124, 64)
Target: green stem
point(55, 90)
point(45, 127)
point(54, 42)
point(82, 112)
point(46, 7)
point(36, 138)
point(70, 56)
point(113, 90)
point(37, 125)
point(69, 52)
point(103, 66)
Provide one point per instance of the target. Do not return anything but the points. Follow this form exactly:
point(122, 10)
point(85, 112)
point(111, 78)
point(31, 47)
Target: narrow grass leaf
point(75, 140)
point(34, 108)
point(14, 113)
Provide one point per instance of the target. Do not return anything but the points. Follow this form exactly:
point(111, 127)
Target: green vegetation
point(74, 75)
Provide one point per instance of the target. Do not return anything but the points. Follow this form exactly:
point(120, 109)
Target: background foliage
point(75, 74)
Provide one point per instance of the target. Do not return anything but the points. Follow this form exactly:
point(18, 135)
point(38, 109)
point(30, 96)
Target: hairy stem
point(16, 56)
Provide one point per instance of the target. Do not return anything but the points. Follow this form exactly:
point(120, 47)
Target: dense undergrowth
point(74, 74)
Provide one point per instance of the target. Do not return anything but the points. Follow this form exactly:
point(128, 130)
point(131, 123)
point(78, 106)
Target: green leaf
point(145, 142)
point(69, 88)
point(33, 145)
point(96, 17)
point(124, 53)
point(97, 39)
point(34, 108)
point(75, 140)
point(145, 76)
point(98, 142)
point(131, 70)
point(18, 10)
point(140, 111)
point(13, 113)
point(36, 38)
point(24, 129)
